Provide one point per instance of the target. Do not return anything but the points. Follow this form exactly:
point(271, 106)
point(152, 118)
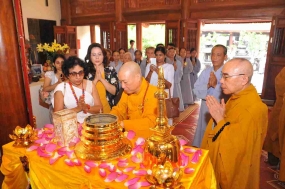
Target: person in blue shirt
point(208, 83)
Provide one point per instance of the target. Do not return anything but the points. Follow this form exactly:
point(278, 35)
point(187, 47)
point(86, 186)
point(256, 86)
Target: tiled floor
point(186, 130)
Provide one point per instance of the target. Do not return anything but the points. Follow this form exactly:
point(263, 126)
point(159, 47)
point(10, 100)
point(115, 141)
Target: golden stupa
point(102, 139)
point(162, 150)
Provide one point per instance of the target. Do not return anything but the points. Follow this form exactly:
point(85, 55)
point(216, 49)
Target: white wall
point(83, 34)
point(38, 9)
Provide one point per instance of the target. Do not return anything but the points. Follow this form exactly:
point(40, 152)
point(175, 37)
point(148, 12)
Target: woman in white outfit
point(77, 93)
point(151, 72)
point(53, 78)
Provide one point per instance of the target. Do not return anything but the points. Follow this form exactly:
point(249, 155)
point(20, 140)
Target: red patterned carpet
point(185, 127)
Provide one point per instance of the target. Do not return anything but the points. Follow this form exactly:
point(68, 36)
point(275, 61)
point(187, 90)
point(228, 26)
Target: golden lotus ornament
point(23, 137)
point(102, 139)
point(162, 150)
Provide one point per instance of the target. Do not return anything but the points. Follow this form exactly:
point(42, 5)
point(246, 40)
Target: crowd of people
point(232, 122)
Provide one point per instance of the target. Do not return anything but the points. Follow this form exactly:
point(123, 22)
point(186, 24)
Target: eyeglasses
point(225, 75)
point(74, 74)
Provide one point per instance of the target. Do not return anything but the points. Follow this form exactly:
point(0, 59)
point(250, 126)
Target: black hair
point(161, 49)
point(171, 44)
point(138, 51)
point(121, 49)
point(192, 49)
point(56, 56)
point(132, 41)
point(160, 45)
point(87, 59)
point(222, 46)
point(70, 63)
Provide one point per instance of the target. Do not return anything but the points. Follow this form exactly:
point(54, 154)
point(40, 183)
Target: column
point(13, 106)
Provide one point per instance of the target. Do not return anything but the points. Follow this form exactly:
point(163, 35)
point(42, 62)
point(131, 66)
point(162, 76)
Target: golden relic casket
point(102, 139)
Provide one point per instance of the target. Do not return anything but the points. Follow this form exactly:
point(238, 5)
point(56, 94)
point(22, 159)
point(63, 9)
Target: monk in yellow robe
point(235, 134)
point(137, 108)
point(281, 139)
point(271, 143)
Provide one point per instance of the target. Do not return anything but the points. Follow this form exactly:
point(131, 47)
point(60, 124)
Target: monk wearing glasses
point(235, 134)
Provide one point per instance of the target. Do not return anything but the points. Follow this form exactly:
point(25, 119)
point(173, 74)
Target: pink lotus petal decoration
point(50, 136)
point(91, 164)
point(76, 162)
point(87, 169)
point(42, 153)
point(54, 158)
point(111, 177)
point(131, 181)
point(49, 126)
point(42, 141)
point(123, 160)
point(60, 144)
point(184, 159)
point(69, 162)
point(128, 169)
point(182, 142)
point(188, 170)
point(121, 177)
point(196, 156)
point(137, 158)
point(140, 172)
point(139, 185)
point(122, 164)
point(140, 141)
point(136, 150)
point(112, 168)
point(32, 148)
point(190, 150)
point(63, 150)
point(48, 131)
point(104, 165)
point(102, 173)
point(119, 171)
point(131, 134)
point(40, 132)
point(50, 147)
point(142, 166)
point(70, 154)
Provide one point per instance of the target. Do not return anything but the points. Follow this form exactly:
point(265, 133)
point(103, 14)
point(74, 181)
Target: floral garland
point(47, 148)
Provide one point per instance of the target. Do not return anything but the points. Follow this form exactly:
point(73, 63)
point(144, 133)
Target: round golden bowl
point(102, 139)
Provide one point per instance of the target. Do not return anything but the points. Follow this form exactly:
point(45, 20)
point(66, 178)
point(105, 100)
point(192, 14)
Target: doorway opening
point(243, 40)
point(152, 34)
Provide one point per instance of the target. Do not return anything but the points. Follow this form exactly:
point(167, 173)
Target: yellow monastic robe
point(235, 154)
point(135, 117)
point(102, 94)
point(271, 143)
point(281, 139)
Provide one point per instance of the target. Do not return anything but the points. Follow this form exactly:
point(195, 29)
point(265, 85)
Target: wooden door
point(275, 56)
point(121, 36)
point(107, 36)
point(172, 32)
point(190, 34)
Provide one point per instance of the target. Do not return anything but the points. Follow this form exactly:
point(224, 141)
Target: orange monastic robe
point(135, 116)
point(235, 154)
point(281, 136)
point(271, 143)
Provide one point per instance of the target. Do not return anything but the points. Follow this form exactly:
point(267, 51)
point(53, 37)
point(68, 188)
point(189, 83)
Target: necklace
point(73, 92)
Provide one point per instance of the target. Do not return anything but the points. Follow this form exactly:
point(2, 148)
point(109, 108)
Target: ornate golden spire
point(162, 150)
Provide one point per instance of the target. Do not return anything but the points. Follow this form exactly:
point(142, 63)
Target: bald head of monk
point(130, 77)
point(236, 75)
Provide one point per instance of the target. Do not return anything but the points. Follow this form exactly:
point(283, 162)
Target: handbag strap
point(169, 93)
